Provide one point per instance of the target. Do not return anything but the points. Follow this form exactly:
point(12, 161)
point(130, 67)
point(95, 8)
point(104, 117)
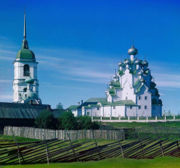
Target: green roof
point(73, 107)
point(121, 103)
point(25, 54)
point(137, 83)
point(103, 101)
point(20, 110)
point(139, 88)
point(115, 84)
point(93, 100)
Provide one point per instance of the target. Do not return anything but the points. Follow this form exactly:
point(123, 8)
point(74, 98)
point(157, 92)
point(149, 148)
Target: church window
point(145, 97)
point(26, 70)
point(114, 107)
point(139, 97)
point(139, 107)
point(97, 108)
point(25, 89)
point(130, 107)
point(145, 107)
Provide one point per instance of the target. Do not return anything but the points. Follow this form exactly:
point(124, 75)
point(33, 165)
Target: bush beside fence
point(38, 133)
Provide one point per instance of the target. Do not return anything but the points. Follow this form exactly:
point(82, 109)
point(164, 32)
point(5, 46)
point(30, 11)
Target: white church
point(132, 92)
point(25, 83)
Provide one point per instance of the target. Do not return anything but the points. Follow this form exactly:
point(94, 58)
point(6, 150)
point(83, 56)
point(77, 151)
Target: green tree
point(84, 122)
point(67, 121)
point(59, 106)
point(46, 120)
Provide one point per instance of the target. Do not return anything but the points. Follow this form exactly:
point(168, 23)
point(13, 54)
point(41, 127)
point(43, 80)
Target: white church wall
point(131, 111)
point(128, 90)
point(118, 111)
point(144, 103)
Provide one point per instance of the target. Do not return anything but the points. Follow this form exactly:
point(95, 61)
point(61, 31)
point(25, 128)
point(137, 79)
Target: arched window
point(26, 70)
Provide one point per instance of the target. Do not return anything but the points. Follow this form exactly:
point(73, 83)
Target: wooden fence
point(43, 134)
point(52, 151)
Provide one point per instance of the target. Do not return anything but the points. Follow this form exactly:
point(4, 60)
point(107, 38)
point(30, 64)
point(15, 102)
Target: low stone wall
point(37, 133)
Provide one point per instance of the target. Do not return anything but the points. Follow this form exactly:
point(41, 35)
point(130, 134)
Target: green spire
point(25, 43)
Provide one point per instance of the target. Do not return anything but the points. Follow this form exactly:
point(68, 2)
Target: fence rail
point(135, 119)
point(37, 133)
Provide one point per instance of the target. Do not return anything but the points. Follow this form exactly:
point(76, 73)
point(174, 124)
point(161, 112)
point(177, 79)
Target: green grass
point(165, 162)
point(143, 125)
point(18, 139)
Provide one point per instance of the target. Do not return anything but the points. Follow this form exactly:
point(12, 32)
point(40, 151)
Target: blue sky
point(78, 44)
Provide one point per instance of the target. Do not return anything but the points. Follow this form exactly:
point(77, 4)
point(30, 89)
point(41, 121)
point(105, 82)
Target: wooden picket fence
point(39, 133)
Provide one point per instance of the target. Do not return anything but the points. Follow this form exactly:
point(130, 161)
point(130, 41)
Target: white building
point(132, 92)
point(25, 84)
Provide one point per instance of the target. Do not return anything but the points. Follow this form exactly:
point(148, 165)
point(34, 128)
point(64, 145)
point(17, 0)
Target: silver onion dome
point(132, 51)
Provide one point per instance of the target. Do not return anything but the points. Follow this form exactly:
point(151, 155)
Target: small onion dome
point(145, 63)
point(32, 95)
point(29, 80)
point(132, 51)
point(142, 80)
point(127, 61)
point(137, 61)
point(120, 64)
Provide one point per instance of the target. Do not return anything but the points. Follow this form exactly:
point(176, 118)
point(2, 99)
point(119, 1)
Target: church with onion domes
point(132, 92)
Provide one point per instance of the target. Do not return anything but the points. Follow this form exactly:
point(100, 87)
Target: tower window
point(139, 107)
point(26, 70)
point(145, 107)
point(139, 97)
point(145, 97)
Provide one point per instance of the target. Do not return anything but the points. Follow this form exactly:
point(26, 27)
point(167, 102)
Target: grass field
point(165, 162)
point(174, 124)
point(16, 138)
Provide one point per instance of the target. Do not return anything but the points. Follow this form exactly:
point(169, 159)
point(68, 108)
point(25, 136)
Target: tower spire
point(25, 43)
point(24, 25)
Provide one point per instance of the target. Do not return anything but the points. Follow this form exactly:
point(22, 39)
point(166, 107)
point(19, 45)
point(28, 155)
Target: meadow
point(163, 162)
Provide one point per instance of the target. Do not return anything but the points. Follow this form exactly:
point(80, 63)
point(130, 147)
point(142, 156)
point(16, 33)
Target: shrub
point(46, 120)
point(67, 121)
point(84, 122)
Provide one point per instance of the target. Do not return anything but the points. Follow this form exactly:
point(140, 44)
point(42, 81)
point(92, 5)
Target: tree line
point(65, 121)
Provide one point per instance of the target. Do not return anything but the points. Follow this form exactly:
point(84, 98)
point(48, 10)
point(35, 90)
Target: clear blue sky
point(78, 44)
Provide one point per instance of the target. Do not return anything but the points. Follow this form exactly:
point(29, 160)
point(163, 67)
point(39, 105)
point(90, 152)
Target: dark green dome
point(25, 54)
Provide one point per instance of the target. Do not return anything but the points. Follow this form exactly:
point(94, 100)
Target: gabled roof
point(73, 107)
point(101, 100)
point(20, 110)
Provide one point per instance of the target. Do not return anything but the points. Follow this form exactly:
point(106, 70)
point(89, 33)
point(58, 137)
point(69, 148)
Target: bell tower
point(25, 83)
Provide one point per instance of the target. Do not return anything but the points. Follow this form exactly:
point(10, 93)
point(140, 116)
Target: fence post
point(119, 117)
point(156, 118)
point(18, 150)
point(97, 147)
point(47, 151)
point(121, 148)
point(74, 153)
point(137, 118)
point(162, 151)
point(165, 117)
